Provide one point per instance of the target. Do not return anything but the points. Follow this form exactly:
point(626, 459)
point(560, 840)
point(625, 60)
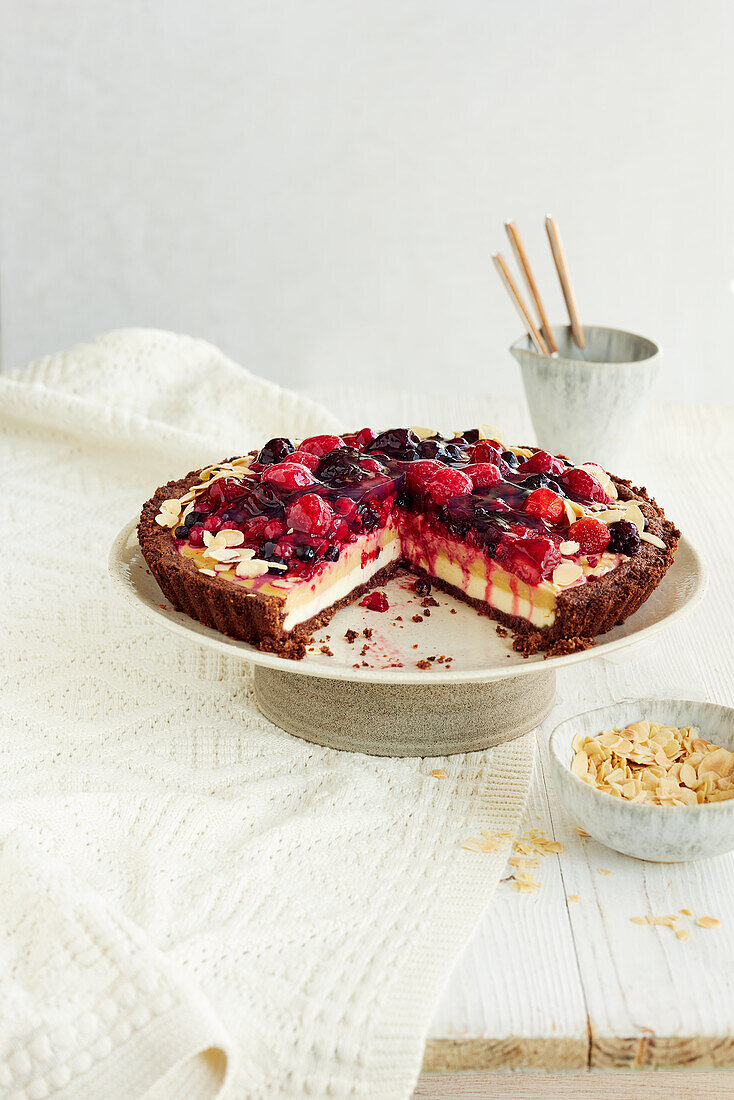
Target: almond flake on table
point(708, 922)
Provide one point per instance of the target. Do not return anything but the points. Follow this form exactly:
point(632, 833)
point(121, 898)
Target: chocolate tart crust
point(582, 613)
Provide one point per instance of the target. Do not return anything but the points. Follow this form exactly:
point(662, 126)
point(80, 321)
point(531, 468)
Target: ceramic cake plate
point(371, 696)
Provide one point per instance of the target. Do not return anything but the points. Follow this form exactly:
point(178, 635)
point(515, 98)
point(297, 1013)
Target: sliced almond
point(424, 433)
point(652, 539)
point(247, 569)
point(633, 513)
point(569, 547)
point(486, 431)
point(567, 573)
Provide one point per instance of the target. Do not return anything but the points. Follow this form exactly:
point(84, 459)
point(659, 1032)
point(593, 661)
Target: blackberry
point(275, 450)
point(432, 448)
point(341, 467)
point(369, 517)
point(624, 537)
point(537, 481)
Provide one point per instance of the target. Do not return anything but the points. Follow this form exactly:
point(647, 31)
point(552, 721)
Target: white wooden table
point(550, 984)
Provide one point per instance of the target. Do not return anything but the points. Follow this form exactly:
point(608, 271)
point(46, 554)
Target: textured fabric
point(193, 902)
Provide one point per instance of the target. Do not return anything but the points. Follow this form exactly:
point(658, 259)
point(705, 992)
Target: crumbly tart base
point(582, 613)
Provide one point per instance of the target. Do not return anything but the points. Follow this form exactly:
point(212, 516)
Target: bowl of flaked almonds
point(651, 778)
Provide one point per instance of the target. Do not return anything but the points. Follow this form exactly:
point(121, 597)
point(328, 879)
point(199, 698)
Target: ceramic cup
point(588, 404)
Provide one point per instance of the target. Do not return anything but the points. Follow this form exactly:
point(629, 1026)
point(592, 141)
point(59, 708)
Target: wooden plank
point(582, 1086)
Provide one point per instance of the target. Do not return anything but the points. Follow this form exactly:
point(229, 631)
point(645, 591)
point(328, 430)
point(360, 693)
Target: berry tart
point(268, 546)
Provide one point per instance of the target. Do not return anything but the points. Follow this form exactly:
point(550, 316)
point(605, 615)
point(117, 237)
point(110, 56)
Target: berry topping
point(321, 445)
point(275, 450)
point(585, 486)
point(482, 474)
point(375, 601)
point(212, 523)
point(181, 532)
point(310, 514)
point(422, 586)
point(624, 538)
point(345, 506)
point(484, 451)
point(511, 459)
point(530, 559)
point(274, 528)
point(342, 467)
point(448, 483)
point(364, 437)
point(546, 504)
point(542, 463)
point(372, 467)
point(288, 475)
point(591, 534)
point(331, 553)
point(306, 553)
point(420, 472)
point(305, 458)
point(196, 537)
point(400, 443)
point(227, 488)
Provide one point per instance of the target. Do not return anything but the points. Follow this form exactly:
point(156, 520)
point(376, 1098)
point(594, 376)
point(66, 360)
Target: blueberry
point(402, 500)
point(306, 553)
point(331, 553)
point(275, 450)
point(454, 453)
point(625, 538)
point(432, 448)
point(181, 532)
point(511, 459)
point(472, 436)
point(192, 518)
point(267, 551)
point(536, 481)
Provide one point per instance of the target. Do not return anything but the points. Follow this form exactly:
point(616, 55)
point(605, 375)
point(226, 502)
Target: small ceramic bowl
point(664, 834)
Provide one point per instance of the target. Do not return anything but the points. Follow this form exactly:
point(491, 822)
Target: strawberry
point(542, 462)
point(546, 504)
point(482, 474)
point(321, 445)
point(448, 483)
point(591, 534)
point(288, 475)
point(585, 486)
point(310, 514)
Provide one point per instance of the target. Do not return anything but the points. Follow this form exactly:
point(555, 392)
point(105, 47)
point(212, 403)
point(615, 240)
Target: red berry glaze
point(288, 475)
point(375, 601)
point(546, 504)
point(227, 488)
point(530, 559)
point(321, 445)
point(542, 463)
point(591, 534)
point(372, 467)
point(309, 514)
point(482, 474)
point(448, 483)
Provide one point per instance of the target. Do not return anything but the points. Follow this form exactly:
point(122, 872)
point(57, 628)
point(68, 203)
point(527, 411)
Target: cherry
point(212, 523)
point(542, 463)
point(196, 537)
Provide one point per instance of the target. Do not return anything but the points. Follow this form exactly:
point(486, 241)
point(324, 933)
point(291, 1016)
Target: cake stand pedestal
point(388, 719)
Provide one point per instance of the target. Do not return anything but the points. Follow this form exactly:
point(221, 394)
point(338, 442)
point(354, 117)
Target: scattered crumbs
point(682, 934)
point(604, 871)
point(573, 897)
point(363, 651)
point(427, 613)
point(428, 601)
point(398, 618)
point(365, 664)
point(355, 666)
point(162, 606)
point(417, 618)
point(708, 922)
point(423, 664)
point(326, 651)
point(686, 912)
point(367, 632)
point(438, 773)
point(415, 645)
point(452, 610)
point(351, 636)
point(525, 883)
point(501, 631)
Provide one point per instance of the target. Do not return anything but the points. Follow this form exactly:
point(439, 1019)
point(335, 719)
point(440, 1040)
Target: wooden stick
point(517, 299)
point(524, 265)
point(559, 257)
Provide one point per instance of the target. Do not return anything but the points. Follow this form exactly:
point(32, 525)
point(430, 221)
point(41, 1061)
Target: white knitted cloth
point(193, 902)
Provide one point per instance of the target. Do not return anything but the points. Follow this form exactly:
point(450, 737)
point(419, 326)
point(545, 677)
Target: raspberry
point(542, 463)
point(371, 466)
point(546, 504)
point(375, 601)
point(365, 436)
point(226, 488)
point(486, 452)
point(345, 506)
point(288, 475)
point(321, 445)
point(482, 474)
point(212, 523)
point(310, 514)
point(305, 458)
point(448, 483)
point(339, 530)
point(585, 486)
point(273, 530)
point(420, 472)
point(530, 559)
point(591, 534)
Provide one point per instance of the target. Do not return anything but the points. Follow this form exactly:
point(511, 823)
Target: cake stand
point(371, 696)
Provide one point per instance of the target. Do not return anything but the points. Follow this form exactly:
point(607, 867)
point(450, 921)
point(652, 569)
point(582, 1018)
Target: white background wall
point(317, 185)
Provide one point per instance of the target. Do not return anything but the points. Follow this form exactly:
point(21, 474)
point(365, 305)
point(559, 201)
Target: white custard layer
point(336, 583)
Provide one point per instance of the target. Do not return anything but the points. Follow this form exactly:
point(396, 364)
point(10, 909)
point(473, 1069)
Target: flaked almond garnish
point(573, 510)
point(424, 433)
point(609, 515)
point(487, 431)
point(656, 764)
point(652, 539)
point(633, 513)
point(708, 922)
point(207, 572)
point(569, 547)
point(567, 573)
point(686, 912)
point(252, 568)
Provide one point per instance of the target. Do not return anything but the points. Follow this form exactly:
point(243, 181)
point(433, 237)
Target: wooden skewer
point(559, 257)
point(517, 299)
point(524, 265)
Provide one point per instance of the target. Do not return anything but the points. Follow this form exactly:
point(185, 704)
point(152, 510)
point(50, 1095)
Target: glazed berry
point(399, 443)
point(591, 534)
point(420, 472)
point(310, 514)
point(212, 523)
point(274, 529)
point(370, 518)
point(482, 474)
point(624, 538)
point(511, 459)
point(306, 553)
point(433, 448)
point(342, 467)
point(331, 553)
point(321, 445)
point(192, 518)
point(448, 483)
point(542, 463)
point(546, 504)
point(275, 450)
point(289, 476)
point(372, 467)
point(530, 559)
point(305, 458)
point(339, 529)
point(181, 532)
point(537, 481)
point(486, 452)
point(364, 437)
point(585, 486)
point(375, 601)
point(345, 506)
point(422, 586)
point(226, 489)
point(196, 537)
